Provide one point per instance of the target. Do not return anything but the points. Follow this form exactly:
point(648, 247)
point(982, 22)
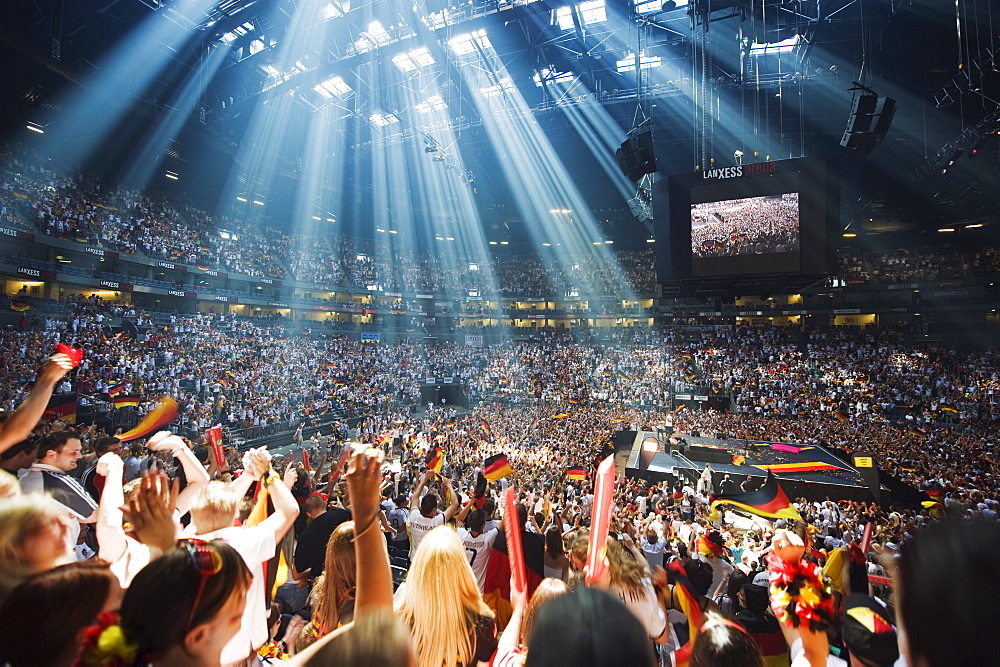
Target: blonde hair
point(625, 571)
point(21, 517)
point(213, 507)
point(441, 601)
point(332, 588)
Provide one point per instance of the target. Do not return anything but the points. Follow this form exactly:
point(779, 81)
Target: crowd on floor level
point(162, 549)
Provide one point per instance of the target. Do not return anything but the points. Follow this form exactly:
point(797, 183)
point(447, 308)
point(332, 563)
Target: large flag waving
point(497, 467)
point(155, 419)
point(767, 501)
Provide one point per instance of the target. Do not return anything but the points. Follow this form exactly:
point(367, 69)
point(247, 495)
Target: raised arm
point(193, 470)
point(453, 507)
point(286, 509)
point(374, 578)
point(110, 532)
point(23, 421)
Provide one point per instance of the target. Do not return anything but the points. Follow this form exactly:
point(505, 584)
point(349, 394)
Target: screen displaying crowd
point(750, 226)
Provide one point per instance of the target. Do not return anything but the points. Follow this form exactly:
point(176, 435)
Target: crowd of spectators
point(548, 406)
point(751, 226)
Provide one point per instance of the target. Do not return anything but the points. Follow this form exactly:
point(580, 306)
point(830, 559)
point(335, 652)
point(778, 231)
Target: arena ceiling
point(506, 111)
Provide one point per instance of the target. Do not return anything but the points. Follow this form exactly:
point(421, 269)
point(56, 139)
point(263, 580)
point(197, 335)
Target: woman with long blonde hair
point(333, 594)
point(441, 604)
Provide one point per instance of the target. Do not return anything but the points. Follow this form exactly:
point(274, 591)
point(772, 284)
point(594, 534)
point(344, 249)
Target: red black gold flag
point(486, 427)
point(126, 401)
point(497, 467)
point(768, 501)
point(435, 459)
point(577, 473)
point(155, 419)
point(63, 407)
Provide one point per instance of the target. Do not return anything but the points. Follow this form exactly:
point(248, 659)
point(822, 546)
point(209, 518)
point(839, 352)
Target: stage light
point(975, 226)
point(242, 199)
point(946, 229)
point(650, 240)
point(35, 127)
point(849, 235)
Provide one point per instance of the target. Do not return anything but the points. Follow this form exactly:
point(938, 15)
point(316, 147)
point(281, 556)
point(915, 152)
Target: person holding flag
point(424, 512)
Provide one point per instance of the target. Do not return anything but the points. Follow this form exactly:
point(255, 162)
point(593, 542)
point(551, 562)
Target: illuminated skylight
point(373, 38)
point(380, 119)
point(436, 20)
point(237, 32)
point(547, 75)
point(772, 48)
point(466, 43)
point(407, 62)
point(657, 6)
point(434, 103)
point(592, 11)
point(334, 86)
point(505, 84)
point(271, 70)
point(256, 46)
point(627, 64)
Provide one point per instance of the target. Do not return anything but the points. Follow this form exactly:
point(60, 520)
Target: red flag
point(600, 523)
point(214, 435)
point(75, 354)
point(305, 459)
point(515, 552)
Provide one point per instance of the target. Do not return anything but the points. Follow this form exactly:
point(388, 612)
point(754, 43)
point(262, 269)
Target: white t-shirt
point(645, 607)
point(256, 546)
point(420, 525)
point(477, 550)
point(720, 570)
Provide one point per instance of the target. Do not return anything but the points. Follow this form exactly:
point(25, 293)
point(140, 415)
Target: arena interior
point(499, 332)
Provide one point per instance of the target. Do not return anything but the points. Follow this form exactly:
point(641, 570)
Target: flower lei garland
point(105, 645)
point(799, 594)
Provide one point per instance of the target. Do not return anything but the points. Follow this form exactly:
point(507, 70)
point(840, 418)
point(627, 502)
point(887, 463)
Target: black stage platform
point(807, 471)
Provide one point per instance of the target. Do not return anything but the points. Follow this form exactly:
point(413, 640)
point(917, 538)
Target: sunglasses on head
point(207, 562)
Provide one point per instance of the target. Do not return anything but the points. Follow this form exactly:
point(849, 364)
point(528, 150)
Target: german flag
point(223, 381)
point(164, 413)
point(63, 407)
point(126, 401)
point(486, 427)
point(691, 377)
point(935, 493)
point(916, 431)
point(577, 473)
point(19, 306)
point(497, 467)
point(116, 389)
point(768, 501)
point(573, 401)
point(841, 416)
point(435, 459)
point(479, 495)
point(496, 587)
point(681, 407)
point(808, 466)
point(688, 601)
point(203, 267)
point(949, 408)
point(560, 415)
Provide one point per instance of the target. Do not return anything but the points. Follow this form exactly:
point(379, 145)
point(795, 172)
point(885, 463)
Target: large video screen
point(748, 226)
point(762, 218)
